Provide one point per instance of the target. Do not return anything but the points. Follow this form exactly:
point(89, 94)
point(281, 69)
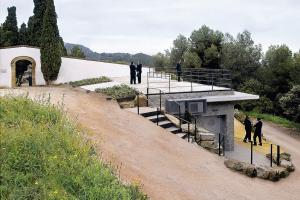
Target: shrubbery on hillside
point(90, 81)
point(43, 156)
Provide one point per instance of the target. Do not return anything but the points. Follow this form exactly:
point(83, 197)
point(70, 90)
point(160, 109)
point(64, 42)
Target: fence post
point(251, 153)
point(271, 155)
point(219, 144)
point(196, 129)
point(223, 145)
point(138, 103)
point(160, 99)
point(157, 116)
point(278, 155)
point(170, 77)
point(188, 132)
point(147, 97)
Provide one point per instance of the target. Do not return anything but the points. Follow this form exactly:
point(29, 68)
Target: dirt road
point(166, 166)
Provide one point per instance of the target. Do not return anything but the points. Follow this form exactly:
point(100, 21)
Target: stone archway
point(13, 69)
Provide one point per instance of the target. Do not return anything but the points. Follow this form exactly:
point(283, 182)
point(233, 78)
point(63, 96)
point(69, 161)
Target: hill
point(113, 57)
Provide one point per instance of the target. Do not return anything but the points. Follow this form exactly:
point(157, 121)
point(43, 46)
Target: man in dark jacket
point(248, 129)
point(139, 72)
point(132, 73)
point(178, 70)
point(257, 132)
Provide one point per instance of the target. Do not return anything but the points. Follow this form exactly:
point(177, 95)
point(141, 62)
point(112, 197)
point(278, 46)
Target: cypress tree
point(50, 44)
point(10, 28)
point(1, 36)
point(35, 22)
point(23, 35)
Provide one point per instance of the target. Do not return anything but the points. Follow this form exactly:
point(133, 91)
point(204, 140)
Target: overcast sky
point(150, 26)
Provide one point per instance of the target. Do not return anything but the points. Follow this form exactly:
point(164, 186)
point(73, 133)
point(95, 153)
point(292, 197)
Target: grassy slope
point(90, 81)
point(43, 156)
point(277, 120)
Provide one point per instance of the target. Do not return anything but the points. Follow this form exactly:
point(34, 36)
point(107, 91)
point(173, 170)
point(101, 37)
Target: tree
point(23, 35)
point(191, 60)
point(1, 36)
point(63, 50)
point(180, 46)
point(295, 73)
point(35, 22)
point(290, 104)
point(242, 57)
point(50, 44)
point(10, 28)
point(275, 72)
point(161, 60)
point(77, 52)
point(207, 43)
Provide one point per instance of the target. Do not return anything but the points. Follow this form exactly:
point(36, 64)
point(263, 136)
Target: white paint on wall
point(71, 69)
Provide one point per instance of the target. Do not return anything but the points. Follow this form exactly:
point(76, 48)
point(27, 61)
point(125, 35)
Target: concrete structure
point(220, 110)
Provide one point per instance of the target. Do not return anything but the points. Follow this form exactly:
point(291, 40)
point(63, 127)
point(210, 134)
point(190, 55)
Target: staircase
point(162, 121)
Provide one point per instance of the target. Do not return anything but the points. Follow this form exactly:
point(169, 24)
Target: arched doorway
point(19, 66)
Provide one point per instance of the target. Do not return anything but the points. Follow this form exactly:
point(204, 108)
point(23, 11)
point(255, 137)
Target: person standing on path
point(248, 129)
point(257, 132)
point(139, 72)
point(178, 70)
point(132, 73)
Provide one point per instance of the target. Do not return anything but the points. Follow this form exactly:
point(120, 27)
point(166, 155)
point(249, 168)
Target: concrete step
point(174, 129)
point(181, 135)
point(165, 124)
point(151, 113)
point(154, 118)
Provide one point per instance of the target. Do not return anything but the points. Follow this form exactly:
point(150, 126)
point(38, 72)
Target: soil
point(166, 166)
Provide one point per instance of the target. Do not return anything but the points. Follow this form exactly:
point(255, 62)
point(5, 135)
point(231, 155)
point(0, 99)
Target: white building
point(71, 69)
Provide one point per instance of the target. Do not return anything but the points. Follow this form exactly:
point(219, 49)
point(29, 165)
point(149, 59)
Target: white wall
point(71, 69)
point(8, 54)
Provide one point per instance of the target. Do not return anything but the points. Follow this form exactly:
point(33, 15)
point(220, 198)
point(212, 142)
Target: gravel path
point(167, 167)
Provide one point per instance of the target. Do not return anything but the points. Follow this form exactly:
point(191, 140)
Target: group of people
point(135, 72)
point(257, 132)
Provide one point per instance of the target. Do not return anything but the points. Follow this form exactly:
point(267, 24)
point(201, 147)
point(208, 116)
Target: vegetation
point(43, 156)
point(118, 91)
point(90, 81)
point(50, 44)
point(10, 33)
point(77, 52)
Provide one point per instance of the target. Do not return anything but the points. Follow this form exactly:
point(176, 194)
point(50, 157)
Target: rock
point(263, 172)
point(289, 166)
point(282, 172)
point(234, 165)
point(207, 136)
point(249, 170)
point(273, 175)
point(285, 156)
point(128, 104)
point(142, 101)
point(207, 144)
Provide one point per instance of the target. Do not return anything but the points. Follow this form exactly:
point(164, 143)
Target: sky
point(150, 26)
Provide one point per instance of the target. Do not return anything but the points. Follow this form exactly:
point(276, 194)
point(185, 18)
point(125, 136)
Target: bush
point(43, 156)
point(90, 81)
point(119, 92)
point(290, 104)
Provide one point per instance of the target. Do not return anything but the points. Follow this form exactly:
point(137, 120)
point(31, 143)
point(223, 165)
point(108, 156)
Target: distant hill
point(113, 57)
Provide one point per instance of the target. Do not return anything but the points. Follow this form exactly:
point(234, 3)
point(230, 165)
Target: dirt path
point(166, 166)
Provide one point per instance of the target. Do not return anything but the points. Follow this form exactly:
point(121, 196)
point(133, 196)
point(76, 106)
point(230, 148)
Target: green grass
point(118, 91)
point(90, 81)
point(44, 156)
point(277, 120)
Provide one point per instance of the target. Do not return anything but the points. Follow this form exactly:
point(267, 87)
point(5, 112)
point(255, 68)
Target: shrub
point(90, 81)
point(43, 156)
point(119, 91)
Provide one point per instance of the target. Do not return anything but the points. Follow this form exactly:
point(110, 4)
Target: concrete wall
point(219, 117)
point(71, 69)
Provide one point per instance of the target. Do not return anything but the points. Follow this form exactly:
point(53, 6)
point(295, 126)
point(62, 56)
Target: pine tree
point(1, 36)
point(35, 22)
point(10, 28)
point(50, 44)
point(23, 35)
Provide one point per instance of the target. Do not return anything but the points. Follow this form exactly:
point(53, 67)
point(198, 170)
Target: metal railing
point(215, 78)
point(160, 110)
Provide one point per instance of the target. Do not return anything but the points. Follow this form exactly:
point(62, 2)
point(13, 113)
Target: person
point(27, 75)
point(132, 73)
point(248, 128)
point(139, 72)
point(257, 132)
point(178, 70)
